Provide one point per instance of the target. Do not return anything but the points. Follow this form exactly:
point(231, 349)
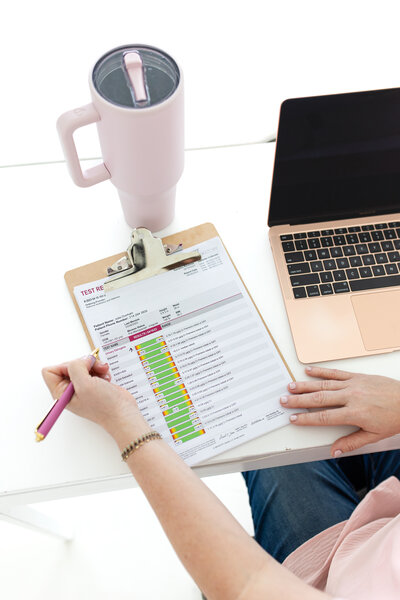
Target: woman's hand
point(370, 402)
point(95, 398)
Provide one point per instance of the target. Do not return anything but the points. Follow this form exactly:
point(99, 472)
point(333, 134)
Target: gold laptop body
point(334, 223)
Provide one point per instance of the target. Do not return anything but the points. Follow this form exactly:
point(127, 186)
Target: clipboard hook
point(145, 257)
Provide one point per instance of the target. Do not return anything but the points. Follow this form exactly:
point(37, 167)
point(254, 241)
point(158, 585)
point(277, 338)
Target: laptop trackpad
point(378, 317)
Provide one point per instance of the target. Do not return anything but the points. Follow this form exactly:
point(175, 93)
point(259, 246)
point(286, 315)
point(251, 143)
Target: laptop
point(334, 221)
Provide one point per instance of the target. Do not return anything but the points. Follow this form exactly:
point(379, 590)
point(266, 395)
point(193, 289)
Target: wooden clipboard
point(189, 237)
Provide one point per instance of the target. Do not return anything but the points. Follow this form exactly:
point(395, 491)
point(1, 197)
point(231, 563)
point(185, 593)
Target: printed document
point(192, 349)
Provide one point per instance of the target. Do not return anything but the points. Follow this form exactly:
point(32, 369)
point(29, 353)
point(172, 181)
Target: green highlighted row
point(191, 436)
point(168, 377)
point(163, 368)
point(149, 343)
point(162, 359)
point(174, 394)
point(170, 403)
point(180, 423)
point(168, 386)
point(179, 403)
point(154, 353)
point(176, 415)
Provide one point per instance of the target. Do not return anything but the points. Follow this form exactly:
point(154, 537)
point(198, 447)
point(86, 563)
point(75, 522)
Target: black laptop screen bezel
point(337, 157)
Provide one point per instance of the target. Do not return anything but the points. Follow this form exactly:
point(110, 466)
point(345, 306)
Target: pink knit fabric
point(360, 557)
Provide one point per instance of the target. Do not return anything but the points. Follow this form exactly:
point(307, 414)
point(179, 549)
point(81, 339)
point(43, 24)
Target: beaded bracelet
point(147, 437)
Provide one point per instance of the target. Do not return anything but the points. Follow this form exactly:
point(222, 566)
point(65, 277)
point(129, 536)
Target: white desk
point(52, 226)
point(240, 60)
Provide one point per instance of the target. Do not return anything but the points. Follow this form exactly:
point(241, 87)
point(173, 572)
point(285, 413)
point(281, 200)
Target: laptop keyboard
point(346, 259)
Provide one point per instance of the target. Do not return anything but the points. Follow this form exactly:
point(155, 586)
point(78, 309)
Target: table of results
point(171, 394)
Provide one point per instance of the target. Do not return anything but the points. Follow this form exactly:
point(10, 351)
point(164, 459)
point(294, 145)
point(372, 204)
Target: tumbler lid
point(136, 76)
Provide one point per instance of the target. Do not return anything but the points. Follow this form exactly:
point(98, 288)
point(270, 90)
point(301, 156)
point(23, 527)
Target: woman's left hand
point(370, 402)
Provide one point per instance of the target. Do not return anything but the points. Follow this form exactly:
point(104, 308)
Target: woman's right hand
point(95, 398)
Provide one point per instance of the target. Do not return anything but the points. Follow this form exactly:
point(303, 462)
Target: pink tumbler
point(137, 104)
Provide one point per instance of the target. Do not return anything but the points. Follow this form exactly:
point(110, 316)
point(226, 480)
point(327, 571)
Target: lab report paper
point(192, 349)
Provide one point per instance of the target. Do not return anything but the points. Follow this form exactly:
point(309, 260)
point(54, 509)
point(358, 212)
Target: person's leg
point(366, 471)
point(381, 465)
point(292, 504)
point(355, 469)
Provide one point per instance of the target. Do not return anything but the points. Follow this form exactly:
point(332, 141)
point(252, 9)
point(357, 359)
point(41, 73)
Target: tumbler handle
point(67, 123)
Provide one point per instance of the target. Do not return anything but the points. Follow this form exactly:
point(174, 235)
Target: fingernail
point(102, 364)
point(292, 385)
point(337, 453)
point(293, 418)
point(308, 368)
point(284, 399)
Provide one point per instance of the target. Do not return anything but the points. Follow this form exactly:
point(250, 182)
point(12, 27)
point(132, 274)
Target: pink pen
point(44, 427)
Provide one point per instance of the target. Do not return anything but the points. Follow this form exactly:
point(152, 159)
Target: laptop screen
point(337, 157)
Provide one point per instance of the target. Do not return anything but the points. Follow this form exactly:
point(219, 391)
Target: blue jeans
point(291, 504)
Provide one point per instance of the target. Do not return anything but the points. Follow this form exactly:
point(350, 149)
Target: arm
point(218, 553)
point(370, 402)
point(220, 556)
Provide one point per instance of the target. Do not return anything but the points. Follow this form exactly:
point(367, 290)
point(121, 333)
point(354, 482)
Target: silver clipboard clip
point(146, 256)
